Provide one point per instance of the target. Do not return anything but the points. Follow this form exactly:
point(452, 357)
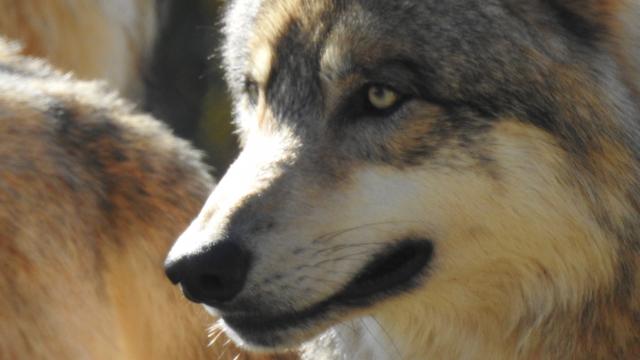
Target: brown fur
point(92, 195)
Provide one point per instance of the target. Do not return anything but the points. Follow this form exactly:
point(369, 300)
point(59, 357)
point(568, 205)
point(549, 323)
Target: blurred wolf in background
point(154, 52)
point(427, 179)
point(94, 39)
point(92, 194)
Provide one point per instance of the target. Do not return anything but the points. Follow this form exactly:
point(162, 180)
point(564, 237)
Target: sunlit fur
point(92, 194)
point(516, 155)
point(94, 39)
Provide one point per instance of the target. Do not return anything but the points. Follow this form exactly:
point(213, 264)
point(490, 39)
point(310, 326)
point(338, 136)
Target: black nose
point(213, 276)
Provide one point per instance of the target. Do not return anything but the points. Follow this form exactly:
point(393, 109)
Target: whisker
point(353, 256)
point(321, 264)
point(321, 280)
point(333, 235)
point(226, 350)
point(348, 246)
point(213, 341)
point(387, 335)
point(364, 324)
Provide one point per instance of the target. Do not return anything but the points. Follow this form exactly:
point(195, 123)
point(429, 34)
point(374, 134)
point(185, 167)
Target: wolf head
point(468, 165)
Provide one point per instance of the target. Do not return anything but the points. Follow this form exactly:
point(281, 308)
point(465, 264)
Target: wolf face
point(462, 172)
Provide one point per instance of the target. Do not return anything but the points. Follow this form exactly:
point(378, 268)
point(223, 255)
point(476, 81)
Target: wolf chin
point(427, 179)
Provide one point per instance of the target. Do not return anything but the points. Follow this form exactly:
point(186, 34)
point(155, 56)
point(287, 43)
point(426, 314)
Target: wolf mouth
point(392, 271)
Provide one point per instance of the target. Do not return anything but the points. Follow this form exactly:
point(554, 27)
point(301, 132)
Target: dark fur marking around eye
point(357, 106)
point(582, 29)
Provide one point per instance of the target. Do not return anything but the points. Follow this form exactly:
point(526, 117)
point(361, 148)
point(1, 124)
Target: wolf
point(92, 195)
point(94, 39)
point(427, 179)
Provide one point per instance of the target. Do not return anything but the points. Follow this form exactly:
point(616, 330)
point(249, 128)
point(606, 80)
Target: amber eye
point(382, 97)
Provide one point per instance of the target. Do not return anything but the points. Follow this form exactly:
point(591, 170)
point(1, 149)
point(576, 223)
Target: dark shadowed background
point(184, 84)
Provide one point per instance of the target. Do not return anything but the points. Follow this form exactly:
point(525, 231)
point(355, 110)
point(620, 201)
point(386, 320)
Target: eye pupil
point(381, 97)
point(378, 91)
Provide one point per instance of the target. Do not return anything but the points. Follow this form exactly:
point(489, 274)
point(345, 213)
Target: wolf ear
point(587, 17)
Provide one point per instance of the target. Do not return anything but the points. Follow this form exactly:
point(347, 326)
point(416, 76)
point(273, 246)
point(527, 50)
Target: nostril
point(219, 288)
point(215, 288)
point(211, 282)
point(214, 276)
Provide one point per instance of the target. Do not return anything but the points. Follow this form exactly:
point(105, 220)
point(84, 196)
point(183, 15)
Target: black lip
point(395, 270)
point(391, 271)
